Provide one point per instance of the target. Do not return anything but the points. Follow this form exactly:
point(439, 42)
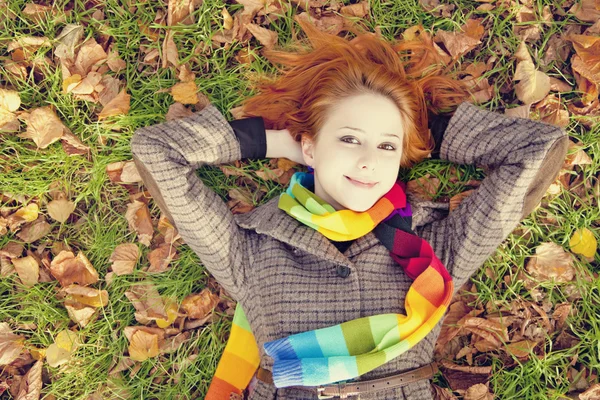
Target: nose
point(367, 161)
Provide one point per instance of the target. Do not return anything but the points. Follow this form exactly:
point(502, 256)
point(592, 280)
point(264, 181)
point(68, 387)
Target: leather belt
point(343, 390)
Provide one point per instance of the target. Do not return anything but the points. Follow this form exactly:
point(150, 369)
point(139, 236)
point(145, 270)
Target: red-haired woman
point(342, 281)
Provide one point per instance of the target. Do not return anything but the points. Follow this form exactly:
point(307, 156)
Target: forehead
point(374, 114)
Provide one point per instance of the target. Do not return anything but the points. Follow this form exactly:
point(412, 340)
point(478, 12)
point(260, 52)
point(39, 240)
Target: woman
point(355, 112)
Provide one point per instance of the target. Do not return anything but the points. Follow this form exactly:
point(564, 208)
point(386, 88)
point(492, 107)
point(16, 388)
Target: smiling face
point(357, 153)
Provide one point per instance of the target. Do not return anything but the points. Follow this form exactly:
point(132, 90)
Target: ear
point(308, 149)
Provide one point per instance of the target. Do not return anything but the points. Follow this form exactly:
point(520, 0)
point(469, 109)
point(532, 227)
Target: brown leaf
point(11, 345)
point(60, 209)
point(551, 262)
point(518, 112)
point(148, 303)
point(185, 92)
point(534, 85)
point(456, 43)
point(123, 172)
point(68, 269)
point(138, 217)
point(478, 392)
point(143, 345)
point(178, 110)
point(457, 199)
point(592, 393)
point(265, 36)
point(90, 55)
point(43, 127)
point(180, 11)
point(586, 10)
point(31, 386)
point(117, 106)
point(170, 53)
point(579, 157)
point(35, 230)
point(79, 312)
point(72, 145)
point(552, 111)
point(359, 10)
point(561, 313)
point(86, 295)
point(28, 270)
point(161, 257)
point(442, 393)
point(491, 331)
point(199, 305)
point(473, 29)
point(423, 188)
point(124, 258)
point(521, 348)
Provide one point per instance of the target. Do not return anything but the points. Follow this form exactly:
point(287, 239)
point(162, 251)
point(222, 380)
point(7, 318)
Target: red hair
point(407, 72)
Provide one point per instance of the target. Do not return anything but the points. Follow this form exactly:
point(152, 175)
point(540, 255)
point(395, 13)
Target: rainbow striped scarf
point(350, 349)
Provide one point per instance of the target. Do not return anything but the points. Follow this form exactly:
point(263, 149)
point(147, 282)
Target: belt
point(343, 390)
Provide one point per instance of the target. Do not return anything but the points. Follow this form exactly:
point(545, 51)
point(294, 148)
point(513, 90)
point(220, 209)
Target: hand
point(281, 144)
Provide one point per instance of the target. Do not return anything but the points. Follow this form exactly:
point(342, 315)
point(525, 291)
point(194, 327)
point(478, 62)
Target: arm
point(167, 155)
point(523, 157)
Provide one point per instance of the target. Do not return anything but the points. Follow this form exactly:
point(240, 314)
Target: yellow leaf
point(71, 82)
point(60, 351)
point(227, 20)
point(29, 213)
point(185, 92)
point(583, 242)
point(60, 209)
point(143, 346)
point(171, 309)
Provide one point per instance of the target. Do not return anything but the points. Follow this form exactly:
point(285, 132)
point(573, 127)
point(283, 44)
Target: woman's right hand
point(280, 144)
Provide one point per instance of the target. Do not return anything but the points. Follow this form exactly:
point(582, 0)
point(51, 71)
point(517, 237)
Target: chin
point(359, 207)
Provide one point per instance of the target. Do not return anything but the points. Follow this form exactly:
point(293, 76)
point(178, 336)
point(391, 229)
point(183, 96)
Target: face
point(357, 153)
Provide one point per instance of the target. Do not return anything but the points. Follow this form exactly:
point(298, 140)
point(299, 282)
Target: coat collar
point(269, 219)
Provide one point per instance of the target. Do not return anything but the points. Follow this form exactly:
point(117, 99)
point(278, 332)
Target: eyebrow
point(360, 130)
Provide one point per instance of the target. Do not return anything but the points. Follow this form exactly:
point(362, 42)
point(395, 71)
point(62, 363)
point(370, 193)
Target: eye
point(389, 146)
point(346, 138)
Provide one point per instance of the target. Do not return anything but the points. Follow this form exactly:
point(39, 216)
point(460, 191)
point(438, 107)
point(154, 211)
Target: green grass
point(186, 373)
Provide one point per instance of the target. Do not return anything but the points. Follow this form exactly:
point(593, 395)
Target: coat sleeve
point(167, 156)
point(523, 158)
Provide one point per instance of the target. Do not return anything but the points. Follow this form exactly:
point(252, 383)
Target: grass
point(101, 204)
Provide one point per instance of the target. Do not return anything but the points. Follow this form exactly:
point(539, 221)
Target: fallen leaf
point(79, 313)
point(534, 85)
point(68, 269)
point(31, 385)
point(582, 242)
point(10, 101)
point(178, 110)
point(35, 230)
point(90, 54)
point(68, 38)
point(199, 305)
point(161, 257)
point(28, 270)
point(456, 43)
point(86, 295)
point(143, 345)
point(64, 345)
point(227, 20)
point(171, 309)
point(518, 112)
point(148, 303)
point(185, 92)
point(117, 106)
point(359, 10)
point(43, 127)
point(552, 111)
point(423, 188)
point(586, 10)
point(124, 258)
point(11, 344)
point(478, 391)
point(29, 213)
point(473, 29)
point(60, 209)
point(521, 348)
point(592, 393)
point(138, 217)
point(551, 262)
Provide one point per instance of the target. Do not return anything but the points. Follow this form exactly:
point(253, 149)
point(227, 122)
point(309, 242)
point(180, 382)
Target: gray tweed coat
point(287, 276)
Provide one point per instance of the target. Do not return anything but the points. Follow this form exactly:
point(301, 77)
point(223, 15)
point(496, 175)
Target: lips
point(362, 184)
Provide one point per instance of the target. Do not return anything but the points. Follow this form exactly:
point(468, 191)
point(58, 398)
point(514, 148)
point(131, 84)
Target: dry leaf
point(28, 270)
point(199, 305)
point(79, 313)
point(123, 172)
point(10, 101)
point(521, 349)
point(456, 43)
point(138, 217)
point(227, 20)
point(478, 392)
point(534, 85)
point(552, 111)
point(124, 258)
point(359, 10)
point(64, 345)
point(592, 393)
point(31, 385)
point(60, 209)
point(143, 345)
point(43, 127)
point(34, 231)
point(185, 92)
point(90, 55)
point(161, 257)
point(178, 110)
point(582, 242)
point(518, 112)
point(423, 188)
point(117, 106)
point(86, 295)
point(11, 344)
point(148, 303)
point(68, 269)
point(265, 36)
point(68, 38)
point(29, 213)
point(586, 10)
point(551, 262)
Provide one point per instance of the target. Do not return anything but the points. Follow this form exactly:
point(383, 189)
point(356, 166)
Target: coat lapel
point(269, 219)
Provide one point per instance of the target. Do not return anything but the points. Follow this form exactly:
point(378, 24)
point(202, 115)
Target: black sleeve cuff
point(438, 125)
point(252, 136)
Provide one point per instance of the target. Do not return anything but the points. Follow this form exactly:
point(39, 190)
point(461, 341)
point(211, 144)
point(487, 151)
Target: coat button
point(342, 271)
